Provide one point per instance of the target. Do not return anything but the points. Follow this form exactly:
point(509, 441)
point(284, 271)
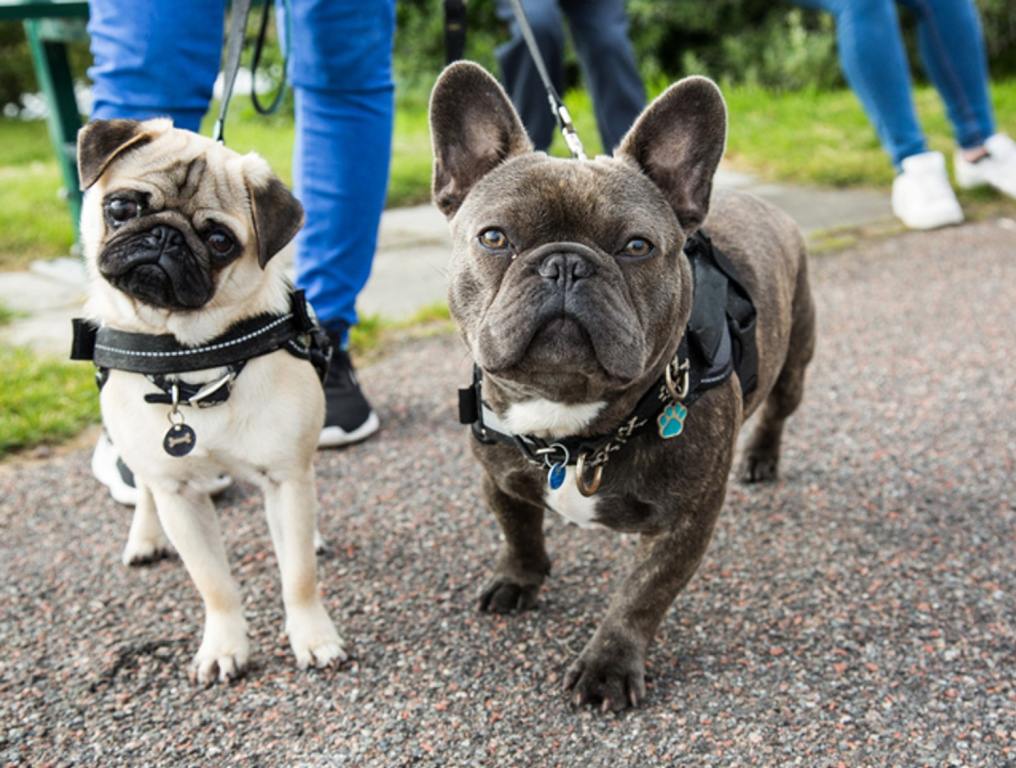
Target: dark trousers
point(599, 29)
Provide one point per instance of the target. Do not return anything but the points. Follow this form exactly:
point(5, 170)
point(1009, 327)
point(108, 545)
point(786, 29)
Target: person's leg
point(952, 49)
point(600, 31)
point(341, 70)
point(518, 72)
point(154, 59)
point(874, 62)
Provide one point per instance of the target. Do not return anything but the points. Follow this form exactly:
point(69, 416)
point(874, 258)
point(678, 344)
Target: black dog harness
point(161, 359)
point(718, 342)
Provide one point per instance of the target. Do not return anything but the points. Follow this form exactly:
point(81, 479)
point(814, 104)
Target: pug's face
point(568, 277)
point(175, 221)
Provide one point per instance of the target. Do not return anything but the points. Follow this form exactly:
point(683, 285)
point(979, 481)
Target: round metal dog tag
point(179, 440)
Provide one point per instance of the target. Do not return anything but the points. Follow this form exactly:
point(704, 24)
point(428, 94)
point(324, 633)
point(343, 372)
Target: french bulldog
point(179, 234)
point(572, 292)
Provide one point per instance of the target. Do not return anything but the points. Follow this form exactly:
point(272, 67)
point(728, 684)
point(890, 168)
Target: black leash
point(259, 46)
point(234, 49)
point(454, 30)
point(557, 107)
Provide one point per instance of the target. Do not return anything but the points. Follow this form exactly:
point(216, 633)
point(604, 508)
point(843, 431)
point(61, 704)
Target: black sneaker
point(348, 416)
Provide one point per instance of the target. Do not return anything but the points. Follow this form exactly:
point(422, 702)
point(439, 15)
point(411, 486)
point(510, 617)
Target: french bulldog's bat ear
point(276, 213)
point(473, 128)
point(678, 142)
point(100, 142)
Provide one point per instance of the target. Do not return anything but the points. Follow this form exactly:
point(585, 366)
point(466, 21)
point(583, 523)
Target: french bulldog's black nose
point(565, 269)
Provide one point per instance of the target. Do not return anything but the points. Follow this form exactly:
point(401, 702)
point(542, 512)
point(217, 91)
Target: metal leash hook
point(557, 107)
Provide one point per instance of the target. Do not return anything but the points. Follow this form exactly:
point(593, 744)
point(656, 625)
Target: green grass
point(43, 401)
point(804, 136)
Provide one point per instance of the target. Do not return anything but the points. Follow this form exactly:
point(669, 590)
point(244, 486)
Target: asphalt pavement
point(859, 612)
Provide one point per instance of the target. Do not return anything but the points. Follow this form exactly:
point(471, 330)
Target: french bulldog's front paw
point(314, 639)
point(610, 678)
point(146, 550)
point(503, 595)
point(223, 653)
point(760, 467)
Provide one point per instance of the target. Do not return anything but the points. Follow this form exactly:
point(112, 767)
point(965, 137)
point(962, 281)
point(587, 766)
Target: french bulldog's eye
point(122, 209)
point(493, 239)
point(220, 242)
point(637, 248)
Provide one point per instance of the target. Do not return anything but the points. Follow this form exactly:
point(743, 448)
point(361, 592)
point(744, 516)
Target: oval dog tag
point(556, 475)
point(179, 440)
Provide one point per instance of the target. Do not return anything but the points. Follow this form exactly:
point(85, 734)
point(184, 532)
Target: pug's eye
point(220, 242)
point(637, 248)
point(121, 210)
point(493, 239)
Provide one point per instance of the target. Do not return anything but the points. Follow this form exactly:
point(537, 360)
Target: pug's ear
point(473, 129)
point(100, 142)
point(276, 213)
point(678, 142)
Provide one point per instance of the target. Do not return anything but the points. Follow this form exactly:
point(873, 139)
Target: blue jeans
point(874, 61)
point(600, 31)
point(161, 57)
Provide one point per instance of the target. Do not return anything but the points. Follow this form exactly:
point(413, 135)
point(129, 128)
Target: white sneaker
point(922, 197)
point(110, 470)
point(996, 169)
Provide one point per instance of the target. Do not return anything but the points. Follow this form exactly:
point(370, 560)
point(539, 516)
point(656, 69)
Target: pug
point(573, 292)
point(179, 235)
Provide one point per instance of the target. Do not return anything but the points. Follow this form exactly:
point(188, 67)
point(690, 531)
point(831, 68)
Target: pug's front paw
point(609, 675)
point(504, 595)
point(224, 650)
point(314, 639)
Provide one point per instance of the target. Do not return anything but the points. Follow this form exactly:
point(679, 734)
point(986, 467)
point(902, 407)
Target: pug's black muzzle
point(158, 267)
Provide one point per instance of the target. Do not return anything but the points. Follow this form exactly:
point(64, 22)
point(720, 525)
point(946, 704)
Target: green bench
point(50, 25)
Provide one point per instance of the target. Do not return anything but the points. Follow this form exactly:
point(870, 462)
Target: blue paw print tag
point(556, 475)
point(671, 420)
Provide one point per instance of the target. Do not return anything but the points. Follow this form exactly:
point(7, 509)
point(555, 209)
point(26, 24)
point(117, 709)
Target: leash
point(557, 107)
point(234, 49)
point(454, 30)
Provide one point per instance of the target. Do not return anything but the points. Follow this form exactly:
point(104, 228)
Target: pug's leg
point(146, 542)
point(522, 563)
point(610, 671)
point(188, 517)
point(291, 506)
point(762, 455)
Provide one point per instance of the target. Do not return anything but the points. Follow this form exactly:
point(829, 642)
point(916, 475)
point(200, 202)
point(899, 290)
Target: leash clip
point(678, 391)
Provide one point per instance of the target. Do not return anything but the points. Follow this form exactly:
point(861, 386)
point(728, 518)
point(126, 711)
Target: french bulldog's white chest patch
point(547, 419)
point(572, 505)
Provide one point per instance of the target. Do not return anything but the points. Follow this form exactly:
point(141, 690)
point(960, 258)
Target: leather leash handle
point(234, 47)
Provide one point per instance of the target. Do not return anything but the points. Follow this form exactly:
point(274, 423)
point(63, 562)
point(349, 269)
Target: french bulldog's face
point(175, 221)
point(568, 278)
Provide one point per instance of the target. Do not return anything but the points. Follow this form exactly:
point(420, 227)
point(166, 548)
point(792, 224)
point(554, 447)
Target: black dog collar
point(719, 340)
point(161, 358)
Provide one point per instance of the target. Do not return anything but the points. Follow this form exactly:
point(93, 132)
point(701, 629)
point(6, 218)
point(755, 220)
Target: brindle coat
point(607, 335)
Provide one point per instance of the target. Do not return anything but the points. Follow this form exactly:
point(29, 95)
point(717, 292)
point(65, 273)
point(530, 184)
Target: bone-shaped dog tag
point(179, 440)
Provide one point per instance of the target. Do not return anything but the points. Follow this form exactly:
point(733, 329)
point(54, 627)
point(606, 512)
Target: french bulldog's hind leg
point(762, 456)
point(291, 506)
point(146, 543)
point(522, 564)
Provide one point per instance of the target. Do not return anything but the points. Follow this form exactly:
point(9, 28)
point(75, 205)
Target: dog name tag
point(179, 440)
point(556, 475)
point(671, 420)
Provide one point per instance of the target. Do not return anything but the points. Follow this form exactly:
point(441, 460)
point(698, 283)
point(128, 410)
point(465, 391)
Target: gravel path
point(860, 612)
